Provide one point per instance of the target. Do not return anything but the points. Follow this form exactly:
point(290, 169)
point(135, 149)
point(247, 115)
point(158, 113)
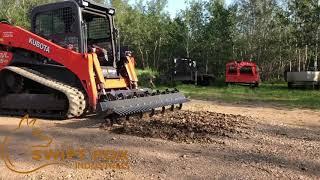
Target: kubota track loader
point(70, 65)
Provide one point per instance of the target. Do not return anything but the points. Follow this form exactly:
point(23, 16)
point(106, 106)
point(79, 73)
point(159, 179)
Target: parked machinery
point(242, 72)
point(303, 79)
point(186, 71)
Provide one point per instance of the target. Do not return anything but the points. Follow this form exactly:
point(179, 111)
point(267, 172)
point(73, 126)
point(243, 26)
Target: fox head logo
point(36, 133)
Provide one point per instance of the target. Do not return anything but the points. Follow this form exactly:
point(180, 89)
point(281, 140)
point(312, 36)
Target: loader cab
point(80, 25)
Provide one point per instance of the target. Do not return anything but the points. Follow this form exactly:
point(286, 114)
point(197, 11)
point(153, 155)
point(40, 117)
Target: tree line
point(279, 35)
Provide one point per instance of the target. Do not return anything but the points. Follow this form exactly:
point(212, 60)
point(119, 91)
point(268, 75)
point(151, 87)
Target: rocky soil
point(186, 126)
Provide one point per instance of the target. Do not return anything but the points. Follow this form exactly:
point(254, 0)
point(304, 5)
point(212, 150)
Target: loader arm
point(80, 64)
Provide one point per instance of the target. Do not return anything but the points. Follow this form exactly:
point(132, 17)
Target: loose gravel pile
point(186, 126)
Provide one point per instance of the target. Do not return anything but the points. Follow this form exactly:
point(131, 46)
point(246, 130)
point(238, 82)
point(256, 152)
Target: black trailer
point(185, 70)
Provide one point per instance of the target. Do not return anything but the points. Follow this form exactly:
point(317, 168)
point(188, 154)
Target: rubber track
point(77, 101)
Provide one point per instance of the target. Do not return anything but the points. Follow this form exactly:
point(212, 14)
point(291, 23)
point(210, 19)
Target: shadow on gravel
point(285, 147)
point(90, 122)
point(293, 133)
point(267, 161)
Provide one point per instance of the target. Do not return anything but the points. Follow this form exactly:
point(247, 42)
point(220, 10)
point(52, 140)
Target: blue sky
point(175, 5)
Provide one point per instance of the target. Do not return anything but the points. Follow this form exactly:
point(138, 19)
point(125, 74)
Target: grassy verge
point(146, 77)
point(275, 94)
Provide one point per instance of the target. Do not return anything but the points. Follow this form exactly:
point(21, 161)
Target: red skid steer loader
point(69, 65)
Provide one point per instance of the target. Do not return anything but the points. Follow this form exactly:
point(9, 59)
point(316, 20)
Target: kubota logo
point(40, 152)
point(39, 45)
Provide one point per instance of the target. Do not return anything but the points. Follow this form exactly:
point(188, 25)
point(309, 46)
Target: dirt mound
point(186, 126)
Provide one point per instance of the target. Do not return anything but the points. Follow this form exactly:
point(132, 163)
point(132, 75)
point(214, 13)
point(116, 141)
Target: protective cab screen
point(58, 26)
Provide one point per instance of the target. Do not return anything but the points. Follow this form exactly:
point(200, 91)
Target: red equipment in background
point(242, 72)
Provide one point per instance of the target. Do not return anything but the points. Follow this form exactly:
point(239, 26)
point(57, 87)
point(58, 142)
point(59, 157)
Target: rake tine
point(140, 115)
point(172, 108)
point(152, 113)
point(163, 110)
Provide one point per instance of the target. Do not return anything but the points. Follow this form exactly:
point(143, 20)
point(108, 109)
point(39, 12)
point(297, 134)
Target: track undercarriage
point(50, 98)
point(26, 91)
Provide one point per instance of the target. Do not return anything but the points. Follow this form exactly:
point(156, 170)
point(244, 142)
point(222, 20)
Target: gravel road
point(206, 140)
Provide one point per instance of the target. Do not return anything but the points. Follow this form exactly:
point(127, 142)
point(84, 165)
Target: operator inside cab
point(99, 37)
point(61, 24)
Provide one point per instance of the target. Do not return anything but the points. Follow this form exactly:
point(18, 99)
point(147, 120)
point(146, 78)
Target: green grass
point(145, 76)
point(273, 94)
